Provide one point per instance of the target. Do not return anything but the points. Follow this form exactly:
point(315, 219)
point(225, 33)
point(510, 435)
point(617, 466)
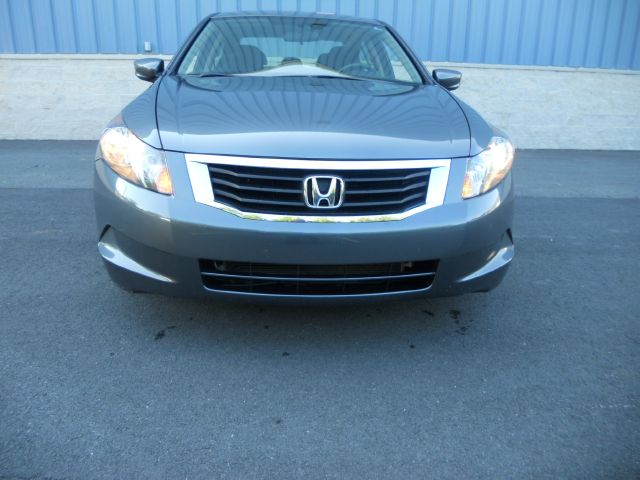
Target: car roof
point(321, 15)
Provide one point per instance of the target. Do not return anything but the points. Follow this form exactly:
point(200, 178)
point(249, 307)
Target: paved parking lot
point(538, 379)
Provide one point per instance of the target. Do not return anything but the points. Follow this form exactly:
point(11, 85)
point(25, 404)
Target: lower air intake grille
point(317, 280)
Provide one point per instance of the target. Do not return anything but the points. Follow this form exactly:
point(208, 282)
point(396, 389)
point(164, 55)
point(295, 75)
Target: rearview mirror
point(449, 79)
point(149, 69)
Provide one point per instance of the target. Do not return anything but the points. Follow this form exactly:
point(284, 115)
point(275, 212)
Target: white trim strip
point(200, 182)
point(438, 181)
point(316, 165)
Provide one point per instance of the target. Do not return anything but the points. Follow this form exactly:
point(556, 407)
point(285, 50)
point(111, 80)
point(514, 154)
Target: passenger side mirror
point(449, 79)
point(149, 69)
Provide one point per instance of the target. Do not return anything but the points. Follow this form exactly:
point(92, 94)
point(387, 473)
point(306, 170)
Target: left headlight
point(488, 168)
point(134, 160)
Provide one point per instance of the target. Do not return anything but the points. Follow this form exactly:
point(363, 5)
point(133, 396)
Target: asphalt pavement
point(537, 379)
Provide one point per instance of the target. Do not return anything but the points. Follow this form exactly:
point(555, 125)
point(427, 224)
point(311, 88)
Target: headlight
point(134, 160)
point(488, 169)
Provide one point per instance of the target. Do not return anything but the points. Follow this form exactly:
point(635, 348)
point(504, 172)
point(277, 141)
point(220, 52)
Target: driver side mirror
point(449, 79)
point(149, 69)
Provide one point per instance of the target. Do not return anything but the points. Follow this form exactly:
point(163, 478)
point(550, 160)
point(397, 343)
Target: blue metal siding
point(578, 33)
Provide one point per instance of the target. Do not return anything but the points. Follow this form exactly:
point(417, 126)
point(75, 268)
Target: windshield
point(298, 46)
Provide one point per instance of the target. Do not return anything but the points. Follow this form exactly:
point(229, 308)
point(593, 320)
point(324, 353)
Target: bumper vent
point(317, 280)
point(280, 191)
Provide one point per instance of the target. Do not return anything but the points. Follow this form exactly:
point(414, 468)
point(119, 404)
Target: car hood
point(305, 117)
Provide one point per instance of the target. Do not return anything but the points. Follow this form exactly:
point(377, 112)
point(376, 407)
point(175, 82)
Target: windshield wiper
point(214, 74)
point(358, 79)
point(337, 76)
point(378, 79)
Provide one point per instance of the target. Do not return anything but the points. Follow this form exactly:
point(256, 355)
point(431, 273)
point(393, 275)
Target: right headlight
point(488, 168)
point(134, 160)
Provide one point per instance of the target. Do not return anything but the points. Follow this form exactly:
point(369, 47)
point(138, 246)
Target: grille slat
point(280, 190)
point(215, 170)
point(258, 188)
point(374, 191)
point(317, 280)
point(263, 200)
point(387, 178)
point(387, 202)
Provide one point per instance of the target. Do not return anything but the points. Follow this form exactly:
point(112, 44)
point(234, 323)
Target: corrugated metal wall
point(579, 33)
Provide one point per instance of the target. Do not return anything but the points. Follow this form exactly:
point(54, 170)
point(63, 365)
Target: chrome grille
point(280, 191)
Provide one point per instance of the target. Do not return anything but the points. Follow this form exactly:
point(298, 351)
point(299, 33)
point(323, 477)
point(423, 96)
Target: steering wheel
point(291, 61)
point(361, 68)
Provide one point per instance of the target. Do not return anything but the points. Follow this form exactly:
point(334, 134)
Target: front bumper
point(152, 242)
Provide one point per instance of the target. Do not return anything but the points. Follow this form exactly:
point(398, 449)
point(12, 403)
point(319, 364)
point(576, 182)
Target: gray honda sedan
point(302, 157)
